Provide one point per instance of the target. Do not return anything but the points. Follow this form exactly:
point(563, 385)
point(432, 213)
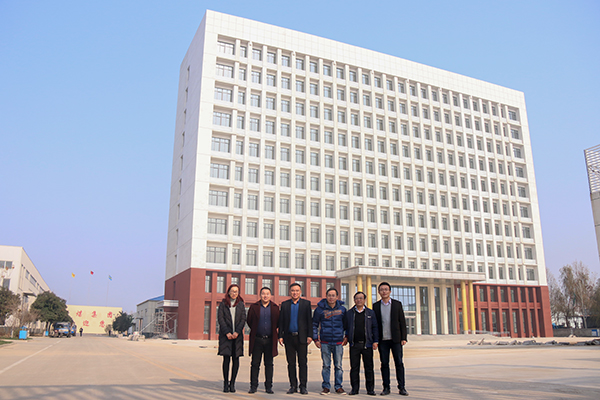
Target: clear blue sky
point(87, 116)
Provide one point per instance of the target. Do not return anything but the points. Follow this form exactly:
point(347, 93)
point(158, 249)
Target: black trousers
point(356, 352)
point(235, 366)
point(385, 346)
point(294, 350)
point(263, 348)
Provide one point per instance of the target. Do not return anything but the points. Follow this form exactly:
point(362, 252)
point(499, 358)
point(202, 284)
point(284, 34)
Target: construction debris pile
point(483, 342)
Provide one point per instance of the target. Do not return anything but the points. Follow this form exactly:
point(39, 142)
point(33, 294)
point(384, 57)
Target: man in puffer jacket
point(329, 334)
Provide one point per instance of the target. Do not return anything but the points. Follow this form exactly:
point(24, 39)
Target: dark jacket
point(371, 327)
point(233, 347)
point(304, 320)
point(253, 320)
point(398, 322)
point(331, 320)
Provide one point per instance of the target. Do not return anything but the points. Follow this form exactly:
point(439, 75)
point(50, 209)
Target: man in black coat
point(392, 336)
point(295, 332)
point(263, 318)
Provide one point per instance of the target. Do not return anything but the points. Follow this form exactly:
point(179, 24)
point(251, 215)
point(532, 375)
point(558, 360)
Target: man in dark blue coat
point(363, 336)
point(329, 331)
point(295, 333)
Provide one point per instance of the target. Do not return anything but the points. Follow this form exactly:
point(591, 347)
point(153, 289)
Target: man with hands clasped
point(363, 336)
point(295, 333)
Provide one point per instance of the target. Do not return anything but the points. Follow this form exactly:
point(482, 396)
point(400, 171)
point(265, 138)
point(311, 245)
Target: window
point(250, 284)
point(215, 255)
point(219, 171)
point(217, 198)
point(222, 119)
point(285, 61)
point(225, 71)
point(220, 144)
point(223, 94)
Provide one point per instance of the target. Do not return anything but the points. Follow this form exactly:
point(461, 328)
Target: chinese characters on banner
point(94, 319)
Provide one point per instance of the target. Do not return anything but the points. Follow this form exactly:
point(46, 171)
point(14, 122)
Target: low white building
point(148, 314)
point(19, 274)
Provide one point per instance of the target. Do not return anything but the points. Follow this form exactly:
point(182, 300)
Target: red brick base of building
point(197, 309)
point(510, 310)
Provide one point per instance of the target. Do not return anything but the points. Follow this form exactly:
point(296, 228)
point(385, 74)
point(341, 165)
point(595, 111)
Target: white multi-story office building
point(299, 158)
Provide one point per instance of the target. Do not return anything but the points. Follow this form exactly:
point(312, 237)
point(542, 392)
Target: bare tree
point(558, 306)
point(578, 287)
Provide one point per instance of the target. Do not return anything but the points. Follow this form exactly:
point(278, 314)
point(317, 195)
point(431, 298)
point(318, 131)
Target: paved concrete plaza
point(443, 367)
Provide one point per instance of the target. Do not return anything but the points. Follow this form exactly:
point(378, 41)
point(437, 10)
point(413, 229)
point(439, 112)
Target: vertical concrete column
point(359, 282)
point(369, 292)
point(472, 306)
point(465, 306)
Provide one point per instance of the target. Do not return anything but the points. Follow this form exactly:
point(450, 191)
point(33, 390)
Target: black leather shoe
point(385, 392)
point(269, 390)
point(303, 391)
point(232, 386)
point(225, 387)
point(353, 393)
point(403, 392)
point(371, 393)
point(292, 390)
point(252, 390)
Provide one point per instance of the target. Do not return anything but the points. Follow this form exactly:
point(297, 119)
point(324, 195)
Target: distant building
point(19, 274)
point(148, 316)
point(93, 319)
point(302, 159)
point(592, 161)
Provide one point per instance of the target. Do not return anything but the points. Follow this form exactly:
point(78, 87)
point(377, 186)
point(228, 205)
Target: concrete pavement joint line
point(166, 368)
point(24, 359)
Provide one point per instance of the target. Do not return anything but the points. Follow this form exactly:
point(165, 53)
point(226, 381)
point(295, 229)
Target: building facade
point(147, 316)
point(19, 274)
point(592, 161)
point(302, 159)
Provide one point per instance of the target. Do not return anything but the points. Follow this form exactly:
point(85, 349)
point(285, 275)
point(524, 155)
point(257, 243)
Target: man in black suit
point(295, 332)
point(392, 336)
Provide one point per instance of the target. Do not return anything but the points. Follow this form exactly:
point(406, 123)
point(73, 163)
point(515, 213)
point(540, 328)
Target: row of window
point(224, 119)
point(413, 243)
point(369, 122)
point(422, 220)
point(223, 144)
point(221, 171)
point(250, 285)
point(218, 255)
point(270, 103)
point(353, 75)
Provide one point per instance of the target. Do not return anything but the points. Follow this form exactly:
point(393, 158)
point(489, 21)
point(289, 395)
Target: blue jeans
point(337, 351)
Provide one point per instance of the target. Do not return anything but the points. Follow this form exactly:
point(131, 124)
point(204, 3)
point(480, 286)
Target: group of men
point(331, 328)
